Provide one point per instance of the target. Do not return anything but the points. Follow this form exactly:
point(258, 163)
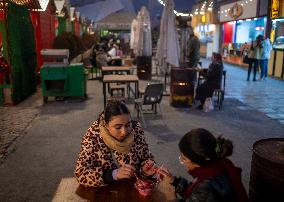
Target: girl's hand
point(125, 171)
point(164, 174)
point(149, 168)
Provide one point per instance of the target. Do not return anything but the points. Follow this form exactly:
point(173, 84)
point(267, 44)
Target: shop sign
point(274, 8)
point(243, 9)
point(236, 11)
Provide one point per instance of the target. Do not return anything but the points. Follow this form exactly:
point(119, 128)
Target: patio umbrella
point(144, 38)
point(134, 35)
point(168, 45)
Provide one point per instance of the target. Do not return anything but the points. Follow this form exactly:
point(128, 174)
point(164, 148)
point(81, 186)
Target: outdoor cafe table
point(115, 69)
point(121, 191)
point(115, 78)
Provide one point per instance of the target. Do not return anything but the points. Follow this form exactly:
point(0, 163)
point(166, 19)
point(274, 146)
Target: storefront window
point(205, 32)
point(277, 34)
point(253, 28)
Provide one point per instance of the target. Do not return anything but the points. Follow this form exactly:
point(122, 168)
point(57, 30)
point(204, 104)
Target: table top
point(124, 190)
point(120, 78)
point(116, 68)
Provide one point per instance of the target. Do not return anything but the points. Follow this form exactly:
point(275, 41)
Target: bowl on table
point(145, 187)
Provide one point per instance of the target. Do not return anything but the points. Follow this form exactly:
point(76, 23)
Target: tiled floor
point(264, 96)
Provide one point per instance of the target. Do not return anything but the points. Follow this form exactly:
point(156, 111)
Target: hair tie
point(219, 145)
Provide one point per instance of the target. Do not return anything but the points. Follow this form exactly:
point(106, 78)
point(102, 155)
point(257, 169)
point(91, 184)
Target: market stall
point(19, 51)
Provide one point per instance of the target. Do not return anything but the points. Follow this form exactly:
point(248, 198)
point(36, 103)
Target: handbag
point(246, 59)
point(208, 105)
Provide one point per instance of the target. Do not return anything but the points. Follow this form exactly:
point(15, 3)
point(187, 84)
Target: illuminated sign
point(203, 19)
point(274, 8)
point(236, 11)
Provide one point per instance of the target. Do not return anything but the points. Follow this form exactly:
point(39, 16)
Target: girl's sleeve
point(89, 170)
point(181, 185)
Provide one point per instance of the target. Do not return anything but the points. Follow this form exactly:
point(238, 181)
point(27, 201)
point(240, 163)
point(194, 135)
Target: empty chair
point(220, 92)
point(152, 96)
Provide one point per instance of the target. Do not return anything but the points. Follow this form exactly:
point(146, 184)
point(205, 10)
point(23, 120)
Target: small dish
point(145, 187)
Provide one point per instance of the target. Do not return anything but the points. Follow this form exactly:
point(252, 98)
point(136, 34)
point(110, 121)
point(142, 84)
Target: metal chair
point(220, 92)
point(152, 96)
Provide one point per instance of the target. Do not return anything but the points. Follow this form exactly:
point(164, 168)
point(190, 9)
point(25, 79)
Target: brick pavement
point(14, 121)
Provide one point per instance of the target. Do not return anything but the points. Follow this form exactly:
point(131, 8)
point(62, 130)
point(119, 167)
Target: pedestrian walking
point(254, 55)
point(194, 50)
point(264, 58)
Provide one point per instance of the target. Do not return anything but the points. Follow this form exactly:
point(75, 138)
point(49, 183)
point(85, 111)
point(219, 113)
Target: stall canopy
point(168, 45)
point(116, 21)
point(100, 9)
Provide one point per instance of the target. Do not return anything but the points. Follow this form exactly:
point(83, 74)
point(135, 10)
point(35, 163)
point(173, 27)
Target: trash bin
point(267, 171)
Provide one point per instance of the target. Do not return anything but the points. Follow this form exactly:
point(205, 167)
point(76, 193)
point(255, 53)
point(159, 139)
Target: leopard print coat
point(95, 156)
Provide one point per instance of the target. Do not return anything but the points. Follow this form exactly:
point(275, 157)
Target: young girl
point(215, 176)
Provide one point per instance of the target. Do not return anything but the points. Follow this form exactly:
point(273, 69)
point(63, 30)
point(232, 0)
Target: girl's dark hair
point(114, 108)
point(202, 148)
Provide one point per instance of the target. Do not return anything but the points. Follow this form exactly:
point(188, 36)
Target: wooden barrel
point(267, 171)
point(144, 67)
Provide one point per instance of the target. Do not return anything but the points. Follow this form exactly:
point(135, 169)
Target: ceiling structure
point(98, 9)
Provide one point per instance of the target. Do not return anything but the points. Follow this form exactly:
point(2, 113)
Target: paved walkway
point(264, 96)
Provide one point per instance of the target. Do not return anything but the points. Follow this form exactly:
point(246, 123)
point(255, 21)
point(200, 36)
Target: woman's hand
point(164, 174)
point(149, 168)
point(125, 171)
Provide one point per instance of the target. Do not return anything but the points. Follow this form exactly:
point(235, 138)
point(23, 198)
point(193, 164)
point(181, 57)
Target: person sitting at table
point(113, 148)
point(215, 176)
point(213, 79)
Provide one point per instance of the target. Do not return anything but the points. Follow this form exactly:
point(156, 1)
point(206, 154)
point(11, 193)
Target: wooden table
point(121, 191)
point(114, 78)
point(115, 69)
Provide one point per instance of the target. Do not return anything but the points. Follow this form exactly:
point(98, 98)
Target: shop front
point(206, 28)
point(276, 62)
point(242, 22)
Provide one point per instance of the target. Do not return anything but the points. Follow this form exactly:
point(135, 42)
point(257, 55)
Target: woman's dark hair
point(202, 148)
point(218, 57)
point(114, 108)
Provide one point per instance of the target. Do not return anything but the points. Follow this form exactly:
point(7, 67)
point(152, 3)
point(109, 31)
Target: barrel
point(144, 67)
point(267, 171)
point(182, 86)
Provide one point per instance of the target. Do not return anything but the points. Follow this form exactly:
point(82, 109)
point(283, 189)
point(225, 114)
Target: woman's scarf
point(224, 166)
point(120, 146)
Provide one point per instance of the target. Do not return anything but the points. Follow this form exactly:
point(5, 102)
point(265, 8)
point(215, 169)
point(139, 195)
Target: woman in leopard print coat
point(113, 148)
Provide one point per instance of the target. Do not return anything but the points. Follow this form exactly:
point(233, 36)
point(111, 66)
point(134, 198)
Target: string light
point(175, 12)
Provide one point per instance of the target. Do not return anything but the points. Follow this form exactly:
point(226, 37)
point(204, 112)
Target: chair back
point(153, 94)
point(224, 80)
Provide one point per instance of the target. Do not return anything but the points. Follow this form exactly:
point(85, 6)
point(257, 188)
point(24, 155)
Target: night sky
point(180, 5)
